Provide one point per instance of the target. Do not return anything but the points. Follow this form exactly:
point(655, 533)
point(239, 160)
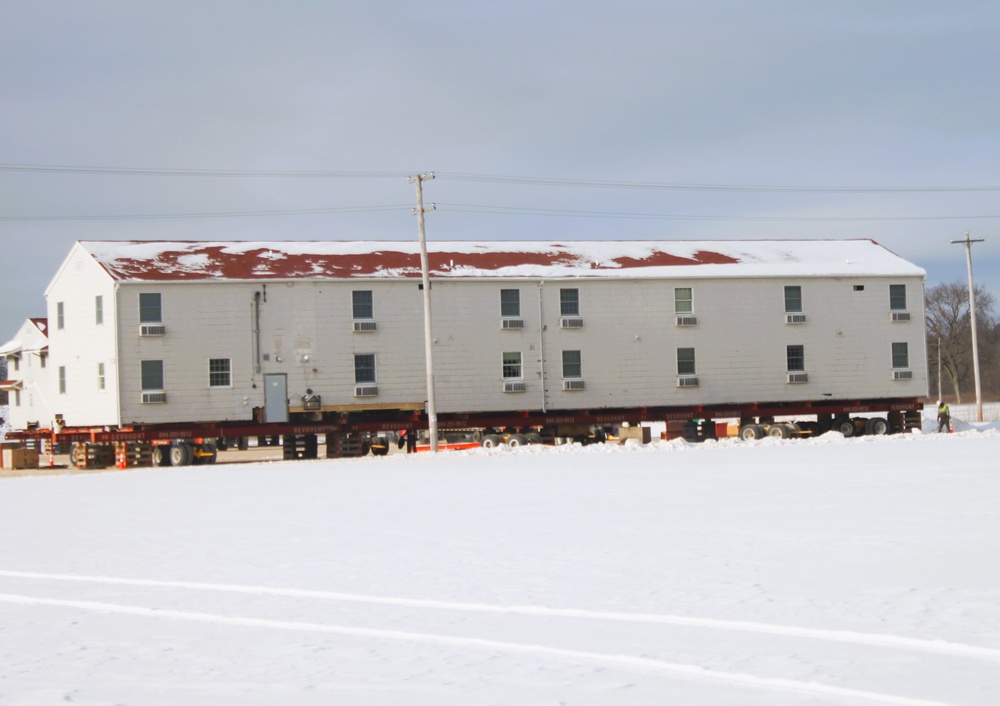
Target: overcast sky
point(895, 103)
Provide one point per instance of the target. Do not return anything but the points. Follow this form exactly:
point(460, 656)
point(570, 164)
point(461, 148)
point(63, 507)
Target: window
point(796, 358)
point(364, 304)
point(98, 310)
point(901, 355)
point(510, 302)
point(150, 309)
point(685, 361)
point(897, 297)
point(364, 368)
point(512, 366)
point(220, 372)
point(17, 398)
point(60, 315)
point(100, 376)
point(62, 379)
point(793, 299)
point(569, 302)
point(683, 301)
point(152, 375)
point(572, 364)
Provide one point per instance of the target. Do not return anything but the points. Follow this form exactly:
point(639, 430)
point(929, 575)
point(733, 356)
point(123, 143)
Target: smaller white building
point(27, 383)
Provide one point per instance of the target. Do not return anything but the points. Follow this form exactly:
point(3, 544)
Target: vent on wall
point(573, 385)
point(798, 377)
point(795, 318)
point(152, 330)
point(900, 316)
point(365, 326)
point(686, 321)
point(688, 381)
point(512, 323)
point(574, 322)
point(514, 387)
point(154, 397)
point(902, 374)
point(366, 391)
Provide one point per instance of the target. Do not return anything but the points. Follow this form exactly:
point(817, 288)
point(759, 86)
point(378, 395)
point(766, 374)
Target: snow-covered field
point(814, 572)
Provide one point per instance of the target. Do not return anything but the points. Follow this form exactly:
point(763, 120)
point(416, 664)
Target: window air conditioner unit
point(366, 391)
point(900, 316)
point(574, 322)
point(902, 374)
point(571, 385)
point(154, 397)
point(795, 318)
point(152, 330)
point(688, 381)
point(509, 324)
point(798, 377)
point(514, 387)
point(686, 321)
point(365, 326)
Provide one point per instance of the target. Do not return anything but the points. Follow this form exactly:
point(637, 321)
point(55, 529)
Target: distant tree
point(3, 376)
point(949, 333)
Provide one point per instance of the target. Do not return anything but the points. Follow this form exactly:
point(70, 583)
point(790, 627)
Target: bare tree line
point(949, 342)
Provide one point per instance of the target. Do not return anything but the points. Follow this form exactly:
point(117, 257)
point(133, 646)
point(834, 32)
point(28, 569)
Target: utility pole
point(419, 180)
point(967, 241)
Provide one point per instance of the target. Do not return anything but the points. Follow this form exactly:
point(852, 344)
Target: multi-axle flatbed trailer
point(352, 434)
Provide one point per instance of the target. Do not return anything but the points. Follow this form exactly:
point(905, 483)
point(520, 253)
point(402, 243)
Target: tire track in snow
point(641, 665)
point(858, 638)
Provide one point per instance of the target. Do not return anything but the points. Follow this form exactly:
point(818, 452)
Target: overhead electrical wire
point(230, 214)
point(483, 178)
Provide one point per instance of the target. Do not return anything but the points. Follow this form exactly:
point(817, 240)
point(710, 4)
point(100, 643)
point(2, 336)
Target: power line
point(230, 214)
point(484, 178)
point(510, 210)
point(141, 171)
point(592, 184)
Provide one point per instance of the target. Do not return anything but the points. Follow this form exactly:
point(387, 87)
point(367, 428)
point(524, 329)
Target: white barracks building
point(170, 332)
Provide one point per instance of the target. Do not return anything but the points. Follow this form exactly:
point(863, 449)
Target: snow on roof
point(254, 260)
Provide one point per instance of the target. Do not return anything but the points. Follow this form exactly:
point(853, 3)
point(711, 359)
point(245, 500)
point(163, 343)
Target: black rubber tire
point(750, 432)
point(780, 431)
point(845, 426)
point(877, 427)
point(491, 441)
point(516, 440)
point(181, 455)
point(161, 455)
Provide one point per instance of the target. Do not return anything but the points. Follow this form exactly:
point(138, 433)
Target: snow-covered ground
point(815, 572)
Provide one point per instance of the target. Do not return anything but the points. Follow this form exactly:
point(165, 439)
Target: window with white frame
point(683, 300)
point(60, 315)
point(100, 376)
point(150, 308)
point(897, 297)
point(793, 299)
point(364, 368)
point(795, 358)
point(363, 303)
point(572, 364)
point(510, 303)
point(151, 375)
point(900, 355)
point(569, 302)
point(99, 310)
point(62, 379)
point(512, 369)
point(685, 361)
point(220, 372)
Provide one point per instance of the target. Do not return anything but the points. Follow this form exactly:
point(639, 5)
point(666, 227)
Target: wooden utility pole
point(419, 179)
point(967, 241)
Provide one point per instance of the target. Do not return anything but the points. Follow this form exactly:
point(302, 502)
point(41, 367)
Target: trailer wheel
point(752, 431)
point(161, 456)
point(846, 426)
point(181, 455)
point(877, 426)
point(517, 440)
point(491, 441)
point(533, 438)
point(780, 431)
